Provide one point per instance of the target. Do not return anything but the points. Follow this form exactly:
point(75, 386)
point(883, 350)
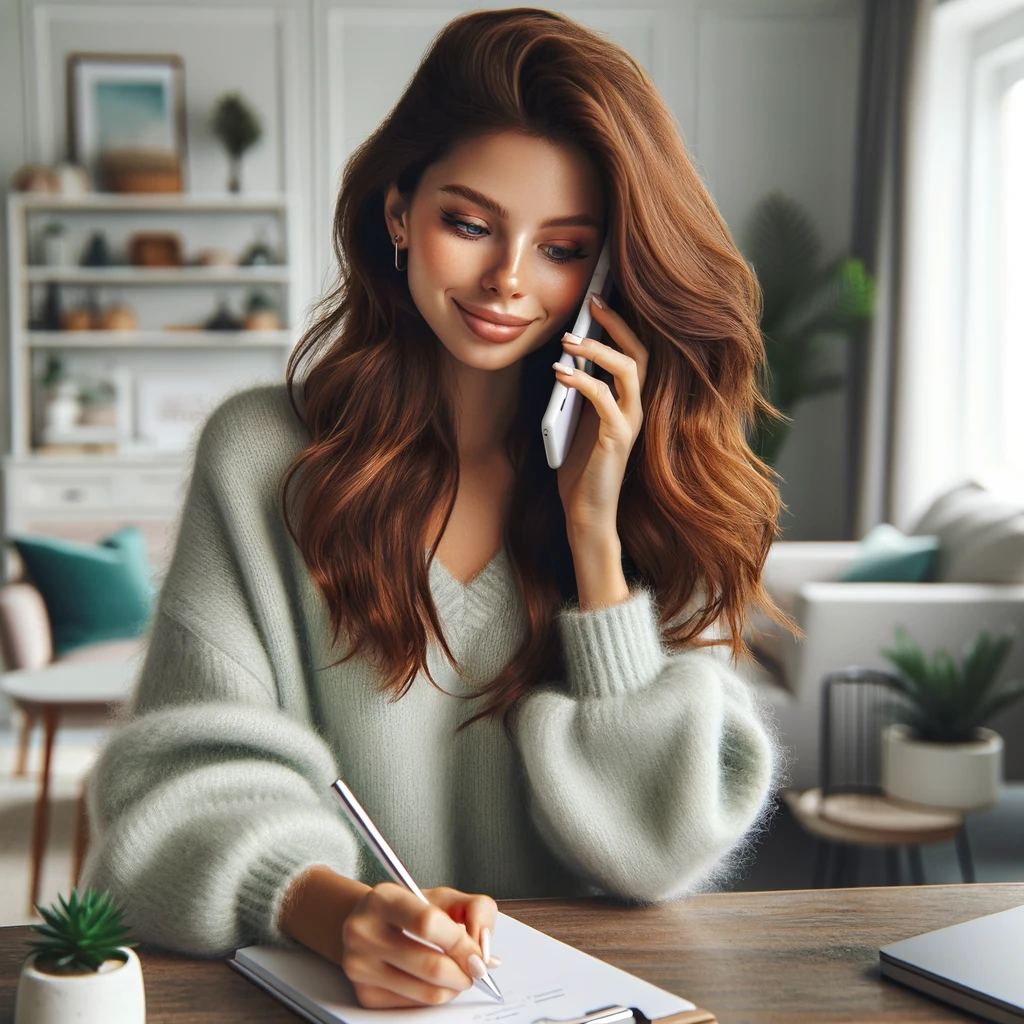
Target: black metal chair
point(849, 810)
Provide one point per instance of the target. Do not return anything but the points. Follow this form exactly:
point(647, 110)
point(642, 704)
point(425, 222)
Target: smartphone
point(562, 416)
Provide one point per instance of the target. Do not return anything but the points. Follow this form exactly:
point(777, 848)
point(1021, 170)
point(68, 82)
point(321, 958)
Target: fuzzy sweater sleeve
point(648, 768)
point(215, 794)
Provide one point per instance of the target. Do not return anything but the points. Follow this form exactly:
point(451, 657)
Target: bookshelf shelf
point(157, 275)
point(158, 339)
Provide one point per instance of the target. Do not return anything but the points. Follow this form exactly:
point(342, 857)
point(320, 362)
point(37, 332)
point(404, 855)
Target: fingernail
point(597, 300)
point(572, 339)
point(495, 961)
point(485, 944)
point(567, 370)
point(476, 966)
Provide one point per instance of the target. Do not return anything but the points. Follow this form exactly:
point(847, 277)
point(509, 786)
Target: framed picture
point(132, 103)
point(172, 409)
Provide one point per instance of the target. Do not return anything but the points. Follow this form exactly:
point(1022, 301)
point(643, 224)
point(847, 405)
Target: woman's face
point(494, 252)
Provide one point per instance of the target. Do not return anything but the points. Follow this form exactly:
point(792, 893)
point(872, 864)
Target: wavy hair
point(698, 510)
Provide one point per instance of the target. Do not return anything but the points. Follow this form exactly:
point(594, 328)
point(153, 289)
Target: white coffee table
point(47, 694)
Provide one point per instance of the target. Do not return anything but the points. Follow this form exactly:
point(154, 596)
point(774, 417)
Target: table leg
point(24, 741)
point(81, 839)
point(916, 864)
point(40, 824)
point(839, 867)
point(963, 854)
point(822, 849)
point(853, 864)
point(892, 865)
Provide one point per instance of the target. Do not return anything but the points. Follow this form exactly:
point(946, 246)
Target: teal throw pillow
point(92, 592)
point(887, 555)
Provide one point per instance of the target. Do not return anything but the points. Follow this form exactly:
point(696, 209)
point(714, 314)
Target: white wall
point(764, 92)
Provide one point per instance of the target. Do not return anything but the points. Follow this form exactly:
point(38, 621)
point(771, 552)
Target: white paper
point(539, 977)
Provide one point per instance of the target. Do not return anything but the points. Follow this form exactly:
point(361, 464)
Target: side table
point(48, 694)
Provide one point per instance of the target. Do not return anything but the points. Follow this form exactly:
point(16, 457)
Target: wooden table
point(46, 695)
point(787, 957)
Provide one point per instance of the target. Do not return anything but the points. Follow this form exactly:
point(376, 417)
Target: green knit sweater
point(636, 777)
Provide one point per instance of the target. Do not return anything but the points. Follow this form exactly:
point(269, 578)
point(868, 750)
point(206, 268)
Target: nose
point(505, 276)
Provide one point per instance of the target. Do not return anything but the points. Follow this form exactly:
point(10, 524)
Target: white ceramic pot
point(112, 995)
point(960, 776)
point(63, 408)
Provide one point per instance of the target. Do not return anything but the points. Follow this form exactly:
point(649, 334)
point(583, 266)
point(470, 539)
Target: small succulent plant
point(943, 702)
point(258, 302)
point(81, 935)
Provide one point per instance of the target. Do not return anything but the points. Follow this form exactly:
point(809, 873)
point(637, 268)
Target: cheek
point(564, 291)
point(441, 255)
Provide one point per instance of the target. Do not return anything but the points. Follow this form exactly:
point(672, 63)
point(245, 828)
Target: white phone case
point(559, 422)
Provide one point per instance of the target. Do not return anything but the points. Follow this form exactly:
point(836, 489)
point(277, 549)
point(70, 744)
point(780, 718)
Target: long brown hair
point(698, 510)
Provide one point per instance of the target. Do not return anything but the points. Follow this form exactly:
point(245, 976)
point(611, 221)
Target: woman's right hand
point(361, 929)
point(388, 968)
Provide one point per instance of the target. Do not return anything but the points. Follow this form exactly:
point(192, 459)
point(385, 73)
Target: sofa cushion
point(948, 507)
point(93, 592)
point(981, 536)
point(887, 555)
point(992, 553)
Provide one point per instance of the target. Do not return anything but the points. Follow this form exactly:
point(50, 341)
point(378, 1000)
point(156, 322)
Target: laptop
point(976, 966)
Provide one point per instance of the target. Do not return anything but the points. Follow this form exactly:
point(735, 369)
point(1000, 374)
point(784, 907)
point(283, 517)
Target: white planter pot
point(960, 776)
point(112, 995)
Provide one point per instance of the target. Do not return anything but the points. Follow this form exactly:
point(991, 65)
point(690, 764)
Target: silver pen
point(389, 861)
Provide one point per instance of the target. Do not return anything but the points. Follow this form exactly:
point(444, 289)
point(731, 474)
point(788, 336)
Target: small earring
point(398, 238)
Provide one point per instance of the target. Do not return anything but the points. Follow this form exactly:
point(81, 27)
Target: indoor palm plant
point(82, 966)
point(938, 752)
point(804, 305)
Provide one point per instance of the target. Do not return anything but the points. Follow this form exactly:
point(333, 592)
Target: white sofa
point(979, 585)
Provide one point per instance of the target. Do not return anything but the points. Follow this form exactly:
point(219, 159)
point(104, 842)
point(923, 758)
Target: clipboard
point(545, 982)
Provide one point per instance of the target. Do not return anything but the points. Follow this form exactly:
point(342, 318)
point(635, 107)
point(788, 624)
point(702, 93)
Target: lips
point(488, 330)
point(495, 318)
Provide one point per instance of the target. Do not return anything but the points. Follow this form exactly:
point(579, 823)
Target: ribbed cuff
point(609, 651)
point(270, 875)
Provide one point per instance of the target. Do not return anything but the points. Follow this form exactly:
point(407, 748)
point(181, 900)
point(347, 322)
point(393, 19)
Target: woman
point(378, 576)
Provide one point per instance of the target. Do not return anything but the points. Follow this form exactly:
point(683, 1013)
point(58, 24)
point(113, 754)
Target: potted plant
point(937, 751)
point(82, 968)
point(238, 128)
point(804, 305)
point(61, 406)
point(260, 313)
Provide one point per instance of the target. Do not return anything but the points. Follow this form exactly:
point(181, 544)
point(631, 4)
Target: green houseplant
point(938, 751)
point(804, 305)
point(82, 966)
point(237, 127)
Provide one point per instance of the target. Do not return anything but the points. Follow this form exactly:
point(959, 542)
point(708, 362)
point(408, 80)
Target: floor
point(780, 859)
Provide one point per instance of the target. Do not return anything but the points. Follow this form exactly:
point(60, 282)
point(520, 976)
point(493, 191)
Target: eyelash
point(574, 254)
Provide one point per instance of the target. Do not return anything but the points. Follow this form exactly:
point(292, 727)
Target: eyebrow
point(465, 192)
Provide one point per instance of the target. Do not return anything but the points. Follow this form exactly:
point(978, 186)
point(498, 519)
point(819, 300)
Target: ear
point(396, 212)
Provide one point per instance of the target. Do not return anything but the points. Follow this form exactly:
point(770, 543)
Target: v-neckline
point(485, 571)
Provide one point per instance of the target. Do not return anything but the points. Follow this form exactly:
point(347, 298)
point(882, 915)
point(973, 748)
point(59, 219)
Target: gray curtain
point(891, 42)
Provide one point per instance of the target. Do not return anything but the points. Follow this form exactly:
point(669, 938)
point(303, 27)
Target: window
point(1008, 389)
point(992, 357)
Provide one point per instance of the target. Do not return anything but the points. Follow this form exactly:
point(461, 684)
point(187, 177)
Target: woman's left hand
point(590, 478)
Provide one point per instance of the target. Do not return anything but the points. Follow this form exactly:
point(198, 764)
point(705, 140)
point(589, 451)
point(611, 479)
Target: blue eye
point(455, 225)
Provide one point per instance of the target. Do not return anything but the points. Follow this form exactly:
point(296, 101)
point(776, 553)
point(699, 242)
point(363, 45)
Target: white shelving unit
point(81, 494)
